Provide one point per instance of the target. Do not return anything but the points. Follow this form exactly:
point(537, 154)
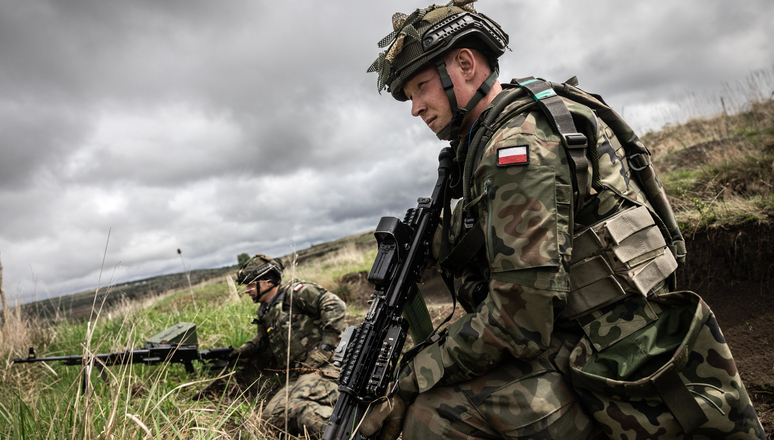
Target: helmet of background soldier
point(427, 34)
point(261, 267)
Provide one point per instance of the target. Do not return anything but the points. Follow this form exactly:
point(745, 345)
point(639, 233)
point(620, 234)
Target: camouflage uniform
point(317, 318)
point(566, 264)
point(509, 367)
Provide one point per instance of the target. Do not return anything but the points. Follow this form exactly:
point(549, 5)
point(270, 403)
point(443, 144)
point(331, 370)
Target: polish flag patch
point(518, 155)
point(298, 287)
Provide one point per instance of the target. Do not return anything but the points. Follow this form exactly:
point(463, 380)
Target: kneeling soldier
point(565, 248)
point(316, 318)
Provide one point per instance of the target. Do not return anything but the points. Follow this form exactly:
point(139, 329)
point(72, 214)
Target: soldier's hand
point(235, 353)
point(318, 357)
point(388, 416)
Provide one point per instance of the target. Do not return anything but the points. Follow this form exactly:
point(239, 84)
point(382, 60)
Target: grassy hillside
point(48, 401)
point(718, 171)
point(78, 306)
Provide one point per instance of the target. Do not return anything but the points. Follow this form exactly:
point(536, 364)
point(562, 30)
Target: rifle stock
point(368, 354)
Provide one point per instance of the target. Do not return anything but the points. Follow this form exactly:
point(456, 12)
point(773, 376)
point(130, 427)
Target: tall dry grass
point(719, 169)
point(57, 402)
point(50, 401)
point(328, 269)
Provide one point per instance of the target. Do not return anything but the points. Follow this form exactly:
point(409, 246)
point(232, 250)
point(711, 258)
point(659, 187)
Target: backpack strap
point(638, 159)
point(574, 142)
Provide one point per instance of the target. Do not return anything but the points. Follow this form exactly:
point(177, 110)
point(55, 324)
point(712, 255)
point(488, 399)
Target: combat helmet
point(260, 267)
point(424, 37)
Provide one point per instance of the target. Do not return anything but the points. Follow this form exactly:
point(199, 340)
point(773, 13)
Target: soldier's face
point(265, 291)
point(260, 291)
point(428, 99)
point(252, 291)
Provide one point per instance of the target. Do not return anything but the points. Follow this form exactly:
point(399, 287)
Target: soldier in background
point(317, 318)
point(565, 246)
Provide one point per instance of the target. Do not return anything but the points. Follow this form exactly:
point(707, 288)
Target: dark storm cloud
point(228, 127)
point(639, 52)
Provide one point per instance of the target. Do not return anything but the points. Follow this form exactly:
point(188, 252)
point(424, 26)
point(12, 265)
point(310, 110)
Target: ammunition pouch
point(623, 255)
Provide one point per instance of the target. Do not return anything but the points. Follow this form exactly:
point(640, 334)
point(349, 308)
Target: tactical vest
point(636, 250)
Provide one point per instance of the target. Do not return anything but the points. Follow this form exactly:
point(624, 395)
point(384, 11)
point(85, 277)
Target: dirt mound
point(355, 289)
point(732, 269)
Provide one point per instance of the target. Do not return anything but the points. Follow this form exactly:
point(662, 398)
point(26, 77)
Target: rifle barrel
point(149, 355)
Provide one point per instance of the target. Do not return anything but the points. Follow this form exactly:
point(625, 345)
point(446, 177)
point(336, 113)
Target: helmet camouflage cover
point(428, 33)
point(260, 267)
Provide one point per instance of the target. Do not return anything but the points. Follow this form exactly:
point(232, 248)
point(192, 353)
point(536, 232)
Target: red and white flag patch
point(518, 155)
point(298, 287)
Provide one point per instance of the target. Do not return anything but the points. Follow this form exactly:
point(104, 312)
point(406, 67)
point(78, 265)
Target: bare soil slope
point(732, 268)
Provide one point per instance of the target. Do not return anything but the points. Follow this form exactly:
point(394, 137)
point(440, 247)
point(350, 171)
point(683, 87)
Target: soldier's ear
point(467, 63)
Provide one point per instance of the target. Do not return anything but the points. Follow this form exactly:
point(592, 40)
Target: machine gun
point(368, 355)
point(178, 344)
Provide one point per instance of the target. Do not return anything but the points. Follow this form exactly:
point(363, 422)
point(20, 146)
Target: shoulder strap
point(638, 158)
point(490, 120)
point(574, 142)
point(547, 95)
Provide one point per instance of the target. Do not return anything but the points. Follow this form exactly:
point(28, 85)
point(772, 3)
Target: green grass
point(40, 401)
point(48, 402)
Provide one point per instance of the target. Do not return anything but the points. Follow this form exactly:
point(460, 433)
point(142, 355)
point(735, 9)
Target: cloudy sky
point(129, 129)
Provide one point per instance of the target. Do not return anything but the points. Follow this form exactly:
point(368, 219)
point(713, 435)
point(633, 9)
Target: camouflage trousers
point(310, 403)
point(519, 400)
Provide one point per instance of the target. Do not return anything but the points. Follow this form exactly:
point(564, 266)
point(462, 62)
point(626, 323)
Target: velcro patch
point(518, 155)
point(298, 287)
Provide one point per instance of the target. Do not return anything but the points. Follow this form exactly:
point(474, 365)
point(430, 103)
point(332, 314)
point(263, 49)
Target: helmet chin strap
point(452, 129)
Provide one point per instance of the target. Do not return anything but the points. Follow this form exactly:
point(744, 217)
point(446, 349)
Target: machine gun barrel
point(148, 355)
point(177, 344)
point(368, 355)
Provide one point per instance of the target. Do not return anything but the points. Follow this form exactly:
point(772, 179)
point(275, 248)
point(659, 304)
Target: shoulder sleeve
point(317, 301)
point(526, 194)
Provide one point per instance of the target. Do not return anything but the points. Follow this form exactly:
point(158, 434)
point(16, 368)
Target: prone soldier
point(317, 317)
point(566, 248)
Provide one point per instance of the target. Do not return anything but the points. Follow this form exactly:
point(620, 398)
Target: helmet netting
point(464, 4)
point(402, 27)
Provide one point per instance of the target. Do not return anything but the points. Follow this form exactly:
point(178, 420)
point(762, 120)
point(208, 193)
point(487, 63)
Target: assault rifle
point(177, 344)
point(368, 355)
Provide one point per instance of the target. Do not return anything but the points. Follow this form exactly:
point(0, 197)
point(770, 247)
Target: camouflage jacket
point(317, 318)
point(525, 209)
